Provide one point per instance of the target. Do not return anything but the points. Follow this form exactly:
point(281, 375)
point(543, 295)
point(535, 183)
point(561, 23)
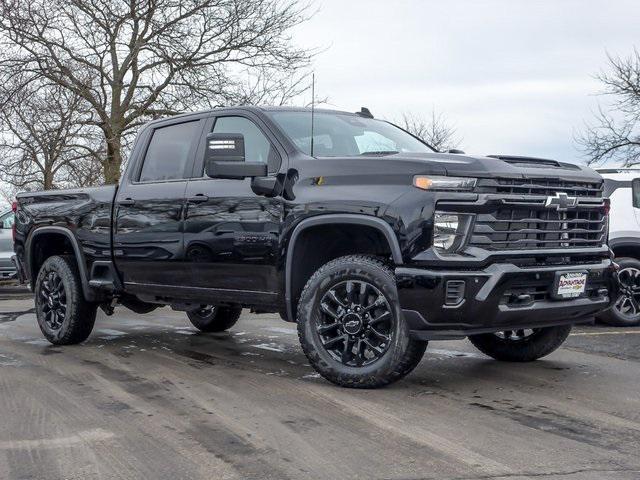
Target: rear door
point(149, 208)
point(231, 233)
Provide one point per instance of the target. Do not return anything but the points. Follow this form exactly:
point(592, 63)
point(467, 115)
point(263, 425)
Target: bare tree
point(131, 61)
point(614, 135)
point(434, 130)
point(44, 142)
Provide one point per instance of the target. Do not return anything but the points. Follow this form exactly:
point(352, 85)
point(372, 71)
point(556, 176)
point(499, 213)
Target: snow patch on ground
point(269, 346)
point(454, 353)
point(110, 332)
point(286, 331)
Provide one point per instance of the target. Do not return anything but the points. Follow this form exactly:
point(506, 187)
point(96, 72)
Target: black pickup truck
point(349, 226)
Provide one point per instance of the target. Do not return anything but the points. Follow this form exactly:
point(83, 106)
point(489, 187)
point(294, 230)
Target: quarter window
point(257, 147)
point(168, 152)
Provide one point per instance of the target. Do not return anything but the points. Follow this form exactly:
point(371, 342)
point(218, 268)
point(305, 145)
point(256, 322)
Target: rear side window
point(168, 152)
point(635, 189)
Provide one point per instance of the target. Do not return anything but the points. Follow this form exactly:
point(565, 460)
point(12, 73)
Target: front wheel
point(209, 318)
point(351, 327)
point(523, 345)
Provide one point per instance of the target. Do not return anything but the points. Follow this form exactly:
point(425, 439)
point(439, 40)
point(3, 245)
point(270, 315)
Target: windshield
point(344, 135)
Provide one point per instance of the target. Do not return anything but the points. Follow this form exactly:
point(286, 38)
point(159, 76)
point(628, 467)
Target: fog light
point(445, 230)
point(449, 230)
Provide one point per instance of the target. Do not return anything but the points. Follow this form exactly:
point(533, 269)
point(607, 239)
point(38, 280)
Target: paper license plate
point(570, 284)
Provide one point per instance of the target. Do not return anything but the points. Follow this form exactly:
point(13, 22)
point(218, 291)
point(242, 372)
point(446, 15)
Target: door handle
point(198, 198)
point(127, 202)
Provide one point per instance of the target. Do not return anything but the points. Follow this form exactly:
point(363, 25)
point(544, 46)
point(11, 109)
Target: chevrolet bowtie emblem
point(561, 201)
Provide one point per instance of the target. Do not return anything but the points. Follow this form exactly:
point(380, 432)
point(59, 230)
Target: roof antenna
point(313, 102)
point(364, 112)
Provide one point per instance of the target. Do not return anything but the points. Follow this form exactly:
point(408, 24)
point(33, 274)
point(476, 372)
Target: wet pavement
point(149, 397)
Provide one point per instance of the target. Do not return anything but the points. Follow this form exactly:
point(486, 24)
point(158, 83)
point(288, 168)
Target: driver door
point(232, 234)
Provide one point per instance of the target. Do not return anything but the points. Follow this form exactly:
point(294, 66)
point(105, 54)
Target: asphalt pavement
point(149, 397)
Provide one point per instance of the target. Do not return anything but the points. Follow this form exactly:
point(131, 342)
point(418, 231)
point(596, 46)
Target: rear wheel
point(524, 345)
point(625, 311)
point(63, 314)
point(351, 327)
point(209, 318)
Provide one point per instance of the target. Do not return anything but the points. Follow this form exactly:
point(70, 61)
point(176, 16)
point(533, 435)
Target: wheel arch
point(55, 233)
point(625, 247)
point(386, 238)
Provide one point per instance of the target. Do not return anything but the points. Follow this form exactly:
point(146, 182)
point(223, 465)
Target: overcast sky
point(514, 76)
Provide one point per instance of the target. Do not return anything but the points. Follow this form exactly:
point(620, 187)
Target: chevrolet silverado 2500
point(373, 243)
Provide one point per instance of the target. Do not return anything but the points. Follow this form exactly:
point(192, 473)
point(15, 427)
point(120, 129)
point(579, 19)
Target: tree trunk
point(47, 183)
point(113, 162)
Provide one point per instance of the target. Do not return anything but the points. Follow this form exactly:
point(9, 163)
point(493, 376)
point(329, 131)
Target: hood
point(500, 166)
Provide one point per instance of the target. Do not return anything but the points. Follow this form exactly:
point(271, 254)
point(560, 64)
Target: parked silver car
point(7, 268)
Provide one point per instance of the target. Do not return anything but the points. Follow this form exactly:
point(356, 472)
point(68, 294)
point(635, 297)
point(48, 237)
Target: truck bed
point(85, 212)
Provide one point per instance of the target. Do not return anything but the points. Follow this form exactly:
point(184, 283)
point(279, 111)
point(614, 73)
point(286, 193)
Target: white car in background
point(622, 186)
point(7, 268)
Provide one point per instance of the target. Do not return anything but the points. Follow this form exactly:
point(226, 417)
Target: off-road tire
point(218, 320)
point(403, 353)
point(613, 316)
point(541, 343)
point(80, 315)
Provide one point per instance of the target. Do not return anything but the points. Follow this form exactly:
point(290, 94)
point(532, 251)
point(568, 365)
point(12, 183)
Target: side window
point(635, 189)
point(168, 152)
point(7, 220)
point(257, 147)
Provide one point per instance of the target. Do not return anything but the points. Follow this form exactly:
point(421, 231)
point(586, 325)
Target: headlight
point(449, 230)
point(443, 183)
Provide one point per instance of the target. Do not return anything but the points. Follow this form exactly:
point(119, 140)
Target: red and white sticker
point(572, 284)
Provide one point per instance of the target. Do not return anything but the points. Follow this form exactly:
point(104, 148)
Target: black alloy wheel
point(54, 300)
point(205, 311)
point(521, 345)
point(351, 326)
point(520, 335)
point(64, 316)
point(356, 324)
point(214, 318)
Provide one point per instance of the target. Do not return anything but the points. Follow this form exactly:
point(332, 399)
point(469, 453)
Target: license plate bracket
point(568, 285)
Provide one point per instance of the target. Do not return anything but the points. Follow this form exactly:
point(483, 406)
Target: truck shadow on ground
point(446, 369)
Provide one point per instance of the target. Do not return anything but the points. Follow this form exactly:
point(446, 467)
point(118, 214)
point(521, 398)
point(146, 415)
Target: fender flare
point(80, 260)
point(624, 242)
point(332, 219)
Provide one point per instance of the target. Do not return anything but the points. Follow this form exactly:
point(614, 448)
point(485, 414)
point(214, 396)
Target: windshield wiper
point(380, 152)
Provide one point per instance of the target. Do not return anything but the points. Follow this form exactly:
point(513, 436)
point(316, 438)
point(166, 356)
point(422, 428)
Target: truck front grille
point(538, 186)
point(519, 228)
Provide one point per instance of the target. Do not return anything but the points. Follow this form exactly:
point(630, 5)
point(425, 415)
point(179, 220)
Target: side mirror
point(224, 158)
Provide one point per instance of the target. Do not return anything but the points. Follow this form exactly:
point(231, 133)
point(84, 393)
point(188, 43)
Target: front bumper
point(501, 296)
